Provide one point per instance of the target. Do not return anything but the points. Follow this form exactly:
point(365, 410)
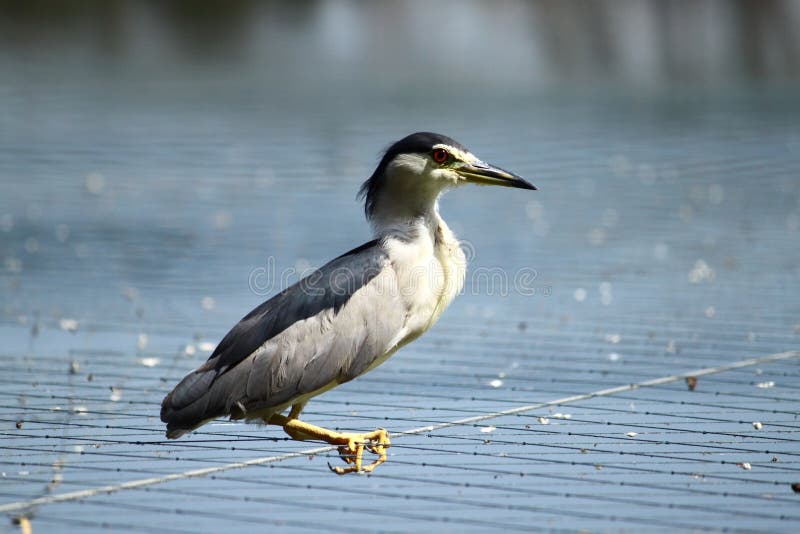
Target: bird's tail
point(191, 403)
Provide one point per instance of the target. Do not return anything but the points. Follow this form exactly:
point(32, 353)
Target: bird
point(350, 315)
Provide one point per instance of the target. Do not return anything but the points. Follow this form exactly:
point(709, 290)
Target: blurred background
point(156, 156)
point(177, 145)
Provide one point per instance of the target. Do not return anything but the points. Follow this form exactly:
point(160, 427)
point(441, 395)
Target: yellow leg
point(351, 446)
point(24, 524)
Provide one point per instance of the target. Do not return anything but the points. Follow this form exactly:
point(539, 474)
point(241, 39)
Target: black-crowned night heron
point(350, 315)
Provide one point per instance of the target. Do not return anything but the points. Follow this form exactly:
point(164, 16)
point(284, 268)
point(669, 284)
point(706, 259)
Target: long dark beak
point(484, 174)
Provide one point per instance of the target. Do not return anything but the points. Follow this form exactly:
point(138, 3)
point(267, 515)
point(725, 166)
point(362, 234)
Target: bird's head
point(416, 169)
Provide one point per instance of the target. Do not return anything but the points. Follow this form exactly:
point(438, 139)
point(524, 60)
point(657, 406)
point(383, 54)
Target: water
point(179, 200)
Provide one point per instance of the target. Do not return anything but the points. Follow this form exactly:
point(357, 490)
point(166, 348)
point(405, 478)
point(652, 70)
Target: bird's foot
point(376, 442)
point(351, 446)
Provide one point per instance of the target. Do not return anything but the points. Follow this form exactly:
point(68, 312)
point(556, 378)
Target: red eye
point(440, 155)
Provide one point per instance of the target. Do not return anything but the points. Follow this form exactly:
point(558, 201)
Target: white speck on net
point(223, 220)
point(496, 383)
point(488, 429)
point(68, 325)
point(757, 425)
point(302, 266)
point(206, 346)
point(149, 362)
point(95, 183)
point(606, 297)
point(597, 236)
point(579, 294)
point(701, 272)
point(613, 338)
point(766, 385)
point(534, 209)
point(130, 293)
point(208, 303)
point(14, 265)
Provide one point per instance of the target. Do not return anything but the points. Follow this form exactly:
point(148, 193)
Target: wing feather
point(326, 328)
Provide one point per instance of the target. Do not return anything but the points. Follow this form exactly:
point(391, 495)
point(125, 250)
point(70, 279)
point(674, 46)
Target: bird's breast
point(453, 264)
point(430, 269)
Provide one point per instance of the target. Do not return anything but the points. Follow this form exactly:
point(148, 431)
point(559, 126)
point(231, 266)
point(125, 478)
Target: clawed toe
point(376, 442)
point(350, 446)
point(351, 452)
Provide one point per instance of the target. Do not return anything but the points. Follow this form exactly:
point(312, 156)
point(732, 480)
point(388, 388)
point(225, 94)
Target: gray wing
point(326, 329)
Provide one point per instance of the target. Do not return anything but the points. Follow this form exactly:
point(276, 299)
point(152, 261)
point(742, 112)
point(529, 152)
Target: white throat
point(408, 198)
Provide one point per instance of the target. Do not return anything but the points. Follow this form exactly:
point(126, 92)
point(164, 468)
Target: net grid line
point(472, 420)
